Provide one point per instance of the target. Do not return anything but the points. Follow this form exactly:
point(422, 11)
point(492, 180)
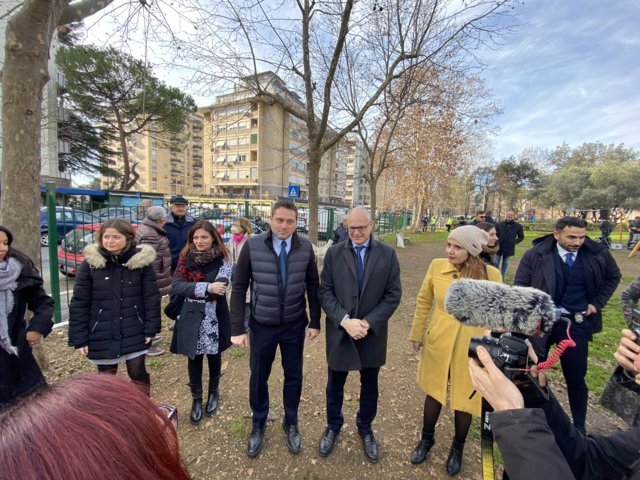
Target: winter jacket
point(537, 270)
point(234, 253)
point(272, 303)
point(21, 375)
point(178, 235)
point(340, 235)
point(149, 233)
point(542, 443)
point(510, 234)
point(187, 327)
point(115, 303)
point(444, 359)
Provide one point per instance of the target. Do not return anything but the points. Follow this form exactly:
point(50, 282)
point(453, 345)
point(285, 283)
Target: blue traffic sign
point(294, 191)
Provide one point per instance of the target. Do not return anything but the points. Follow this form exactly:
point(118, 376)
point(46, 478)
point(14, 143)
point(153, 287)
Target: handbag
point(174, 307)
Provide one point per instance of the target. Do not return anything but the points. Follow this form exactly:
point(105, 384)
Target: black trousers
point(264, 342)
point(136, 370)
point(574, 364)
point(368, 399)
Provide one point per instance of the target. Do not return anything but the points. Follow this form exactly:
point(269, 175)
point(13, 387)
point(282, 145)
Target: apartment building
point(167, 163)
point(256, 149)
point(352, 158)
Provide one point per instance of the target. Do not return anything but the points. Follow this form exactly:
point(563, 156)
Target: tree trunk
point(24, 76)
point(314, 160)
point(374, 197)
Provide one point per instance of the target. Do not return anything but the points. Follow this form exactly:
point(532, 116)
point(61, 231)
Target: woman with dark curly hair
point(202, 327)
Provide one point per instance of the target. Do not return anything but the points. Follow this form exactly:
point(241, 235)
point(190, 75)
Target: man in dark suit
point(580, 275)
point(281, 269)
point(360, 289)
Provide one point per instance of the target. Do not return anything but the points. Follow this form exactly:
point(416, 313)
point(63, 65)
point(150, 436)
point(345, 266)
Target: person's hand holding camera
point(628, 353)
point(492, 384)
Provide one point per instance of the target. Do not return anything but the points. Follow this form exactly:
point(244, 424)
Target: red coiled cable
point(555, 356)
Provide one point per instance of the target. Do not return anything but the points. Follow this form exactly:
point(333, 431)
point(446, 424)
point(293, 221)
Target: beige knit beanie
point(471, 238)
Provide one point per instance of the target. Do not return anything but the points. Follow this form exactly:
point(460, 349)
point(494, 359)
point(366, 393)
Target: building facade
point(256, 149)
point(352, 158)
point(166, 163)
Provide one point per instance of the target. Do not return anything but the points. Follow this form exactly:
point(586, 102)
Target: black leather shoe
point(327, 442)
point(294, 440)
point(370, 447)
point(454, 462)
point(212, 403)
point(255, 441)
point(196, 411)
point(419, 453)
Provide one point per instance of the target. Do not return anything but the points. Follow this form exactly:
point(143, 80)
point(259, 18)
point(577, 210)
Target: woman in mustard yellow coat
point(444, 342)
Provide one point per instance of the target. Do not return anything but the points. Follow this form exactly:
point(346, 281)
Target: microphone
point(481, 303)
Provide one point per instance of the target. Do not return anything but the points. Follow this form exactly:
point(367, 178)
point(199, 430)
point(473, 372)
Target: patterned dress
point(209, 331)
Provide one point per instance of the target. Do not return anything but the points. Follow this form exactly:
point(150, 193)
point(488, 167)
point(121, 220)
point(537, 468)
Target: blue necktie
point(359, 266)
point(568, 259)
point(282, 259)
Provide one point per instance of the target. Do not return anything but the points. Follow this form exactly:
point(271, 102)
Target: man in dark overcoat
point(360, 290)
point(510, 233)
point(580, 275)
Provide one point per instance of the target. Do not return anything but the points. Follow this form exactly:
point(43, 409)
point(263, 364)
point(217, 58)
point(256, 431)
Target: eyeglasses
point(359, 228)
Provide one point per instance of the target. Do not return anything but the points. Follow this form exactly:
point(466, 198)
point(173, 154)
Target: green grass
point(237, 352)
point(154, 362)
point(238, 428)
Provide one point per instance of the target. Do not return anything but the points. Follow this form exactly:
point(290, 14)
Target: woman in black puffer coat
point(115, 310)
point(20, 290)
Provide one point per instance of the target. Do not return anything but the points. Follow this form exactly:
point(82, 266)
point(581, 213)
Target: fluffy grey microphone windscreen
point(482, 303)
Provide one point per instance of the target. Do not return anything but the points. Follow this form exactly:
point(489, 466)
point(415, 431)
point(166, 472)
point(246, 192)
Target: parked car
point(70, 250)
point(66, 219)
point(128, 213)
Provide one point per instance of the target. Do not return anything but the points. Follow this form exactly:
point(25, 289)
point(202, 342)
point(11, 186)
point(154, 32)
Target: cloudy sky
point(571, 73)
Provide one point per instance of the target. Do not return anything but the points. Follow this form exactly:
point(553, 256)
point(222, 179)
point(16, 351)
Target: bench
point(401, 239)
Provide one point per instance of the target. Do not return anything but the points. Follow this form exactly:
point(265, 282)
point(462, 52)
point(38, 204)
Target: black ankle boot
point(454, 462)
point(212, 402)
point(419, 453)
point(196, 405)
point(213, 398)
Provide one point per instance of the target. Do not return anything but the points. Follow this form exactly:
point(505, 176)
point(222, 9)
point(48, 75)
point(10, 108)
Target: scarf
point(9, 271)
point(237, 237)
point(202, 258)
point(491, 250)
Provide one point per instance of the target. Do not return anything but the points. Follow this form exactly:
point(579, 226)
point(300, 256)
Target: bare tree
point(28, 36)
point(329, 53)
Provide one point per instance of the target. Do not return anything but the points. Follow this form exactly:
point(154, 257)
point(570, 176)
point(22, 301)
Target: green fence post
point(53, 251)
point(246, 209)
point(330, 222)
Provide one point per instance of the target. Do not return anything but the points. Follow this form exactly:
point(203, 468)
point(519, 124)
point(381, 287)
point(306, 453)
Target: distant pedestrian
point(510, 233)
point(479, 218)
point(241, 230)
point(489, 218)
point(449, 223)
point(341, 234)
point(434, 223)
point(634, 229)
point(177, 226)
point(150, 232)
point(424, 221)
